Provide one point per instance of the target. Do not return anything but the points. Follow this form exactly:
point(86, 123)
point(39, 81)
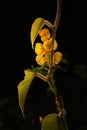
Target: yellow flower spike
point(40, 59)
point(57, 57)
point(48, 45)
point(44, 34)
point(39, 49)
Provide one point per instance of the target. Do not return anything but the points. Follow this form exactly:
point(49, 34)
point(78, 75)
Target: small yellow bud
point(55, 44)
point(43, 31)
point(57, 57)
point(44, 34)
point(48, 45)
point(45, 37)
point(39, 48)
point(40, 59)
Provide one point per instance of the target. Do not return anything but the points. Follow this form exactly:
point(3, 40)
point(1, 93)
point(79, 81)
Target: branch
point(58, 14)
point(41, 76)
point(56, 23)
point(50, 71)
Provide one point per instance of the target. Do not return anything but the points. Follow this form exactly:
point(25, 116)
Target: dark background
point(16, 55)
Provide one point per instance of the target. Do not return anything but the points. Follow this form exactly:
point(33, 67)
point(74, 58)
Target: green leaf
point(53, 122)
point(23, 88)
point(36, 26)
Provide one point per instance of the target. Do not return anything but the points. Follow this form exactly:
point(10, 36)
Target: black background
point(16, 20)
point(15, 46)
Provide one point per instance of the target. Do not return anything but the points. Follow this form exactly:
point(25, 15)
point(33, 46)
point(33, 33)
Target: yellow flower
point(57, 57)
point(44, 34)
point(48, 45)
point(40, 59)
point(43, 50)
point(39, 48)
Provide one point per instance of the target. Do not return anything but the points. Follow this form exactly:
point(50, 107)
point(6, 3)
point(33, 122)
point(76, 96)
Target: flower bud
point(39, 48)
point(44, 34)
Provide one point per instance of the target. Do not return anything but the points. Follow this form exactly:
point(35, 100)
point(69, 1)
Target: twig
point(56, 23)
point(50, 71)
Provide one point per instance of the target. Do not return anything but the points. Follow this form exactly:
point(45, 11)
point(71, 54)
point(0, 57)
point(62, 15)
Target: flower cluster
point(43, 50)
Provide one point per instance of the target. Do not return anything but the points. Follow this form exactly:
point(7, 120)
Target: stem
point(41, 76)
point(49, 24)
point(58, 14)
point(56, 23)
point(50, 71)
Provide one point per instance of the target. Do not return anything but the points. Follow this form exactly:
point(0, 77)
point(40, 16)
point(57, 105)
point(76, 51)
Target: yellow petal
point(57, 57)
point(44, 34)
point(48, 45)
point(40, 59)
point(43, 31)
point(39, 48)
